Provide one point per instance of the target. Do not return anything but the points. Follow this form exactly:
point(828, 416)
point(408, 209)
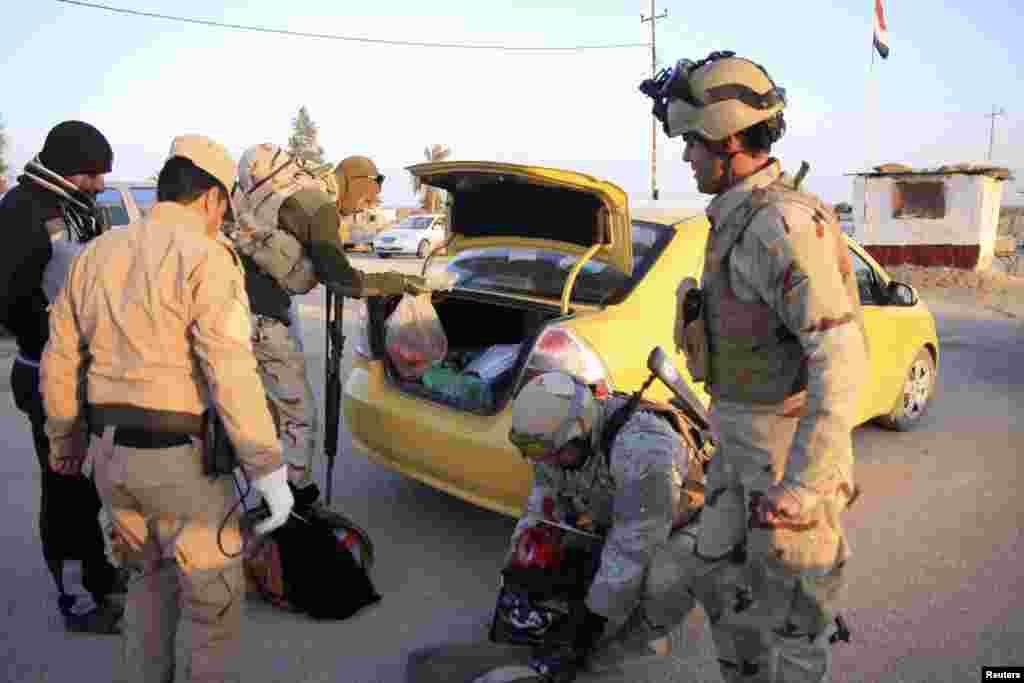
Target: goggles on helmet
point(674, 84)
point(534, 446)
point(531, 446)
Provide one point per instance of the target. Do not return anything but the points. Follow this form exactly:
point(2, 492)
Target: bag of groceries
point(414, 337)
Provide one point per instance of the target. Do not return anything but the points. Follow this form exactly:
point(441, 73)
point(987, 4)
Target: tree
point(433, 199)
point(3, 157)
point(302, 144)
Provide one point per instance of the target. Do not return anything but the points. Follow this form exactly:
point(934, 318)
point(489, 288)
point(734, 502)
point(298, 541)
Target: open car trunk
point(489, 343)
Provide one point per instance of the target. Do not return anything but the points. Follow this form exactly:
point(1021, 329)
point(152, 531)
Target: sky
point(143, 80)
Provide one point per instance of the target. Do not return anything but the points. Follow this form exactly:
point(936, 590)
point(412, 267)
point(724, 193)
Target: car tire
point(915, 395)
point(421, 251)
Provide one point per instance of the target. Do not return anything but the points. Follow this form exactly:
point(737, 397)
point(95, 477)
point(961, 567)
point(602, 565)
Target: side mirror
point(661, 366)
point(901, 294)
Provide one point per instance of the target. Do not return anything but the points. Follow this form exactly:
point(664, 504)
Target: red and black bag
point(317, 563)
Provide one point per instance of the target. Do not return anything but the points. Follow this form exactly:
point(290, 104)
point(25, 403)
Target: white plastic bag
point(414, 336)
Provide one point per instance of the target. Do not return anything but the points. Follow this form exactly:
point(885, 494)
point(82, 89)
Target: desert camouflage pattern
point(258, 199)
point(277, 253)
point(775, 289)
point(630, 496)
point(282, 367)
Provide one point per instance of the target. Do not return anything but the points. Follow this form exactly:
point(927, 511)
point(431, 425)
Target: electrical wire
point(354, 39)
point(238, 503)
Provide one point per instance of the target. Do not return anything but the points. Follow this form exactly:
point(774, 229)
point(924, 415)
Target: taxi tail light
point(559, 349)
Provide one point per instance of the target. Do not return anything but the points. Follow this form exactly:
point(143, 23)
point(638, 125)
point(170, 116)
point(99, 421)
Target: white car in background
point(417, 235)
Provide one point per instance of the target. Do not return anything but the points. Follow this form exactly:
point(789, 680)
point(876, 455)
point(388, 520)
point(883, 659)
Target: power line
point(353, 39)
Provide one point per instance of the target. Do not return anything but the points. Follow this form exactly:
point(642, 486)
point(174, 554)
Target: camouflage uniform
point(646, 571)
point(785, 362)
point(632, 494)
point(288, 233)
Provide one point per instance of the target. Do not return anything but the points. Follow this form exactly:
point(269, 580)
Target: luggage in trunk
point(488, 345)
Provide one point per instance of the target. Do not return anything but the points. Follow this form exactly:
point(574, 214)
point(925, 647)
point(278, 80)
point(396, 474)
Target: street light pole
point(653, 18)
point(992, 128)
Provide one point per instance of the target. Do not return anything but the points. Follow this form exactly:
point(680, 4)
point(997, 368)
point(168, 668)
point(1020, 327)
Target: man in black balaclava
point(46, 219)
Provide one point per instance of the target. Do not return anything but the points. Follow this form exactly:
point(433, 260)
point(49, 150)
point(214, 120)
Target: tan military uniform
point(786, 360)
point(157, 317)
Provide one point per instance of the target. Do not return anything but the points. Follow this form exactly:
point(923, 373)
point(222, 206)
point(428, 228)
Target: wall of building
point(963, 238)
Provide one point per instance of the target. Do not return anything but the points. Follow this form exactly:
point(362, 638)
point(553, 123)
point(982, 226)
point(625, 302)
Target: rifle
point(335, 344)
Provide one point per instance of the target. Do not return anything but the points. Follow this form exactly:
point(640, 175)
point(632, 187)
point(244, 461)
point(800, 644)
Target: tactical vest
point(753, 357)
point(275, 252)
point(689, 478)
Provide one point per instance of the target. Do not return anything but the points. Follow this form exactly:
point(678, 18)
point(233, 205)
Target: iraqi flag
point(881, 39)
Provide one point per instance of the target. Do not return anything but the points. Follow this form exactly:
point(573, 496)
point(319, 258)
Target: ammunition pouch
point(690, 333)
point(219, 455)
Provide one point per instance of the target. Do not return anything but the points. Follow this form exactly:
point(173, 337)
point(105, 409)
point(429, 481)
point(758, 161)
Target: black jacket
point(26, 251)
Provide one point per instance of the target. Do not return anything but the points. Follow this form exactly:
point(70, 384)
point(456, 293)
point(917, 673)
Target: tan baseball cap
point(208, 155)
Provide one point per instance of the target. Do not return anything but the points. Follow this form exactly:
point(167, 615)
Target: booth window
point(918, 200)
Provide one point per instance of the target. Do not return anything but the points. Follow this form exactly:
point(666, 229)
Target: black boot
point(103, 619)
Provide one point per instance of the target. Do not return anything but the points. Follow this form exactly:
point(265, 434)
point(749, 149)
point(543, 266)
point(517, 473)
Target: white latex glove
point(274, 489)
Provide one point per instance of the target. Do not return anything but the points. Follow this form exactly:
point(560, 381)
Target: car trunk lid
point(494, 203)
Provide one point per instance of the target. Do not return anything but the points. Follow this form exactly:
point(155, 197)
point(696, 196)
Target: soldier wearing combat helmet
point(624, 478)
point(774, 331)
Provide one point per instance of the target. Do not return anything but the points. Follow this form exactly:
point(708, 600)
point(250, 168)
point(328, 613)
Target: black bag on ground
point(317, 572)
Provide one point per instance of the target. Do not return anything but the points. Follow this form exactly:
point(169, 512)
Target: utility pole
point(992, 129)
point(654, 72)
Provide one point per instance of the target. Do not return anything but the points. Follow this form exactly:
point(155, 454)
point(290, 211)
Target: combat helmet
point(549, 411)
point(716, 97)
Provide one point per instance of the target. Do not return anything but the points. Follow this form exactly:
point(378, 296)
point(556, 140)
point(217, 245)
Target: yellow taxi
point(551, 271)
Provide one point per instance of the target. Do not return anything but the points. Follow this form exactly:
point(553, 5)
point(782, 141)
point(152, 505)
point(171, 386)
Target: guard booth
point(948, 216)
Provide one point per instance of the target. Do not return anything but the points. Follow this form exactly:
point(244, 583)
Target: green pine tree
point(303, 144)
point(4, 167)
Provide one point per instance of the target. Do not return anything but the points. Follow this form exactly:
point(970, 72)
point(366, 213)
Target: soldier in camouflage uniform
point(287, 233)
point(780, 328)
point(629, 490)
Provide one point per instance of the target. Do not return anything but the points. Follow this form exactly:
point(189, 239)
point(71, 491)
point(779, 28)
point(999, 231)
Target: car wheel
point(421, 251)
point(918, 387)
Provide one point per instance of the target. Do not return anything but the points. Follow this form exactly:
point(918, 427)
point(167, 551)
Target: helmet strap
point(574, 416)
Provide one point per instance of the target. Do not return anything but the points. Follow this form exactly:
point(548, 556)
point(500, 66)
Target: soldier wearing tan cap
point(152, 330)
point(288, 233)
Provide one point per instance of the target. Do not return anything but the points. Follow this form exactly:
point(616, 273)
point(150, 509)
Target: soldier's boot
point(102, 619)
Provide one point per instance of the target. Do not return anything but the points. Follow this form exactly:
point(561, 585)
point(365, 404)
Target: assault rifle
point(335, 344)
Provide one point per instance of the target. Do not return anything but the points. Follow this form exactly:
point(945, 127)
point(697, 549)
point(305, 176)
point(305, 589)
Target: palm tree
point(432, 197)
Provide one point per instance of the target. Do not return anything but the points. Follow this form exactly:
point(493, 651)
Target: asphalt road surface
point(936, 588)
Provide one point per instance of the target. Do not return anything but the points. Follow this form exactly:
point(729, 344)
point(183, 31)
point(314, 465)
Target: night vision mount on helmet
point(716, 97)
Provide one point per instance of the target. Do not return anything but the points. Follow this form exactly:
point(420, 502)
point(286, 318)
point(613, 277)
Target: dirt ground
point(1011, 221)
point(987, 288)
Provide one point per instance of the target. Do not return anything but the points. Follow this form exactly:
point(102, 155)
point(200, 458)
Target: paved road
point(936, 584)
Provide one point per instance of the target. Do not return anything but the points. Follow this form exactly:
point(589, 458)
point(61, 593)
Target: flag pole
point(870, 125)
